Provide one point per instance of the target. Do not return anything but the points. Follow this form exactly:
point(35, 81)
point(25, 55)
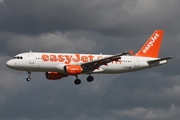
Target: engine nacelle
point(54, 75)
point(72, 69)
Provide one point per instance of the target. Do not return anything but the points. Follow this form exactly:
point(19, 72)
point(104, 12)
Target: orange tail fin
point(152, 47)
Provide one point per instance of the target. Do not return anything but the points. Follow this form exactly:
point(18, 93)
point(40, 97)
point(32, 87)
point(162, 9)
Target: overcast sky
point(89, 26)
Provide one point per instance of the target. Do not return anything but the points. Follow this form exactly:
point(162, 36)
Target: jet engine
point(54, 75)
point(72, 69)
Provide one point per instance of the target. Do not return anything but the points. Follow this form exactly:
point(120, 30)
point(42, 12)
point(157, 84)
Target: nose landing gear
point(29, 76)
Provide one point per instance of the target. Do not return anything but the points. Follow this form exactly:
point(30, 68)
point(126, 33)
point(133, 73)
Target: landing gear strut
point(29, 76)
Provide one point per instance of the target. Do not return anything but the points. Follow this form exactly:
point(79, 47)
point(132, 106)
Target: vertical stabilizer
point(152, 47)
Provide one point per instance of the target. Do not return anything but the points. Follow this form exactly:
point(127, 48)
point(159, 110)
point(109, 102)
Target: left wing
point(92, 65)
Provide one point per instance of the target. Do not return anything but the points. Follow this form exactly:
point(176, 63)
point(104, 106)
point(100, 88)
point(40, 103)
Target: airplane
point(59, 65)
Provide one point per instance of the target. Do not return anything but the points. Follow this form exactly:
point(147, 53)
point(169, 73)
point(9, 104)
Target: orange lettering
point(53, 58)
point(117, 61)
point(77, 59)
point(60, 58)
point(91, 57)
point(68, 59)
point(99, 57)
point(120, 61)
point(45, 58)
point(84, 59)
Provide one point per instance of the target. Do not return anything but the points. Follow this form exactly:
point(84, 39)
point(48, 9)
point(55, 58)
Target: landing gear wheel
point(28, 79)
point(29, 76)
point(77, 81)
point(90, 78)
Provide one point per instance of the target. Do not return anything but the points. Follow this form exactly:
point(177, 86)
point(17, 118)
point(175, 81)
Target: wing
point(92, 65)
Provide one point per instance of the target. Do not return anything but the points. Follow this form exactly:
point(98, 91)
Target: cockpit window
point(18, 57)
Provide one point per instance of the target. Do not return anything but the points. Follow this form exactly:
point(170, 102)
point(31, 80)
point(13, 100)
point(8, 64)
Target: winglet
point(152, 47)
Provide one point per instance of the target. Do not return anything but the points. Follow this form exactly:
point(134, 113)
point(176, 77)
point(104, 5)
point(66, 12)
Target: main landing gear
point(29, 76)
point(90, 78)
point(77, 81)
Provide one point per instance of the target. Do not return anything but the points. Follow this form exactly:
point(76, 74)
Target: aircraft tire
point(28, 79)
point(77, 81)
point(90, 78)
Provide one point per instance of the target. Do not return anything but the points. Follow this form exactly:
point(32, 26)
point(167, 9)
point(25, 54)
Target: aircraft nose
point(9, 64)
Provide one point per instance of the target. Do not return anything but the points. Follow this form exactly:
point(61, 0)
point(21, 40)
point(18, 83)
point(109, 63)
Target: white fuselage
point(59, 65)
point(45, 62)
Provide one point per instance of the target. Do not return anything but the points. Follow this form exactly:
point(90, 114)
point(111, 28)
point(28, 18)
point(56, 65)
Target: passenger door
point(31, 58)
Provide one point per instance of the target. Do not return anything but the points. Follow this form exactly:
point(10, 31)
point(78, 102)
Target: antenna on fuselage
point(31, 51)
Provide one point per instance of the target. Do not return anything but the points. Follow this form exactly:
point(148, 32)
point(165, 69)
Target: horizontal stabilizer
point(159, 60)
